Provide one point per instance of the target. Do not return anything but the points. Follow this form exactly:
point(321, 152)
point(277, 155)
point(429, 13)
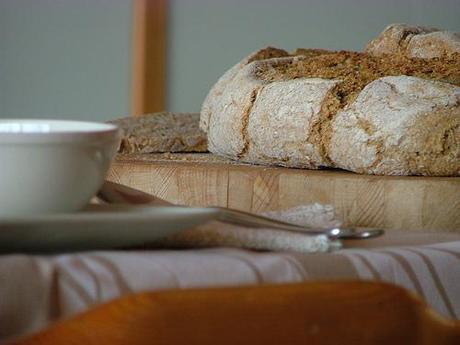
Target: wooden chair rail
point(304, 313)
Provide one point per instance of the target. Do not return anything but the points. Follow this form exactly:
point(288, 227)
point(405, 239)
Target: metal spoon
point(114, 193)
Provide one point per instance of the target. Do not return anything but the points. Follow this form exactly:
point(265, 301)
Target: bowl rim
point(101, 131)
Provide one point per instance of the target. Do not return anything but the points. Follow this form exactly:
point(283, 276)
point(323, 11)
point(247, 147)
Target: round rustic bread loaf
point(387, 114)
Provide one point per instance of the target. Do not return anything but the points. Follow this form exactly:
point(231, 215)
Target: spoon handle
point(235, 217)
point(115, 193)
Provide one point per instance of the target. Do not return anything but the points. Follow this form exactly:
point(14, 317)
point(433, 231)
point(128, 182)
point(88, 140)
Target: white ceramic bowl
point(51, 166)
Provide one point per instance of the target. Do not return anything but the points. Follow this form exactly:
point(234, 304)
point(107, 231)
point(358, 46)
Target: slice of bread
point(162, 132)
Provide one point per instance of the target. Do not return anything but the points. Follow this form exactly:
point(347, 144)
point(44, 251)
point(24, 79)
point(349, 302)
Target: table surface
point(59, 286)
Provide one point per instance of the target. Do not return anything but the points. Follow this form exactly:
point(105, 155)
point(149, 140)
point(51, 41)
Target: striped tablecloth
point(37, 290)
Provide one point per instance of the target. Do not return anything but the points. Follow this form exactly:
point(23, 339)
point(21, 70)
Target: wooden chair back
point(304, 313)
point(148, 72)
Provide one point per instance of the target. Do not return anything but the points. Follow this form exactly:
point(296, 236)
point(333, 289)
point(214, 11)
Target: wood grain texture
point(148, 81)
point(305, 313)
point(392, 202)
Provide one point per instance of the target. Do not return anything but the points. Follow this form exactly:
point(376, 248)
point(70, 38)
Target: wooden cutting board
point(391, 202)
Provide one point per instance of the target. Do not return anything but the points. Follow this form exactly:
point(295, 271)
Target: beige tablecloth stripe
point(432, 271)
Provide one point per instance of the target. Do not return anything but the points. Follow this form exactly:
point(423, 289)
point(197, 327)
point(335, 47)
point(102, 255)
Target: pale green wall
point(208, 36)
point(71, 58)
point(64, 58)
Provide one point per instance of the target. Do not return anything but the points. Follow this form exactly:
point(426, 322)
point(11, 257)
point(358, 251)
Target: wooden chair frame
point(148, 73)
point(323, 313)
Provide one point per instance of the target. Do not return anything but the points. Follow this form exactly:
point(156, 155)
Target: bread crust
point(400, 125)
point(233, 95)
point(281, 123)
point(414, 42)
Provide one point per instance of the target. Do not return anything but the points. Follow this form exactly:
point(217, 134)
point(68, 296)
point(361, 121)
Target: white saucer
point(98, 227)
